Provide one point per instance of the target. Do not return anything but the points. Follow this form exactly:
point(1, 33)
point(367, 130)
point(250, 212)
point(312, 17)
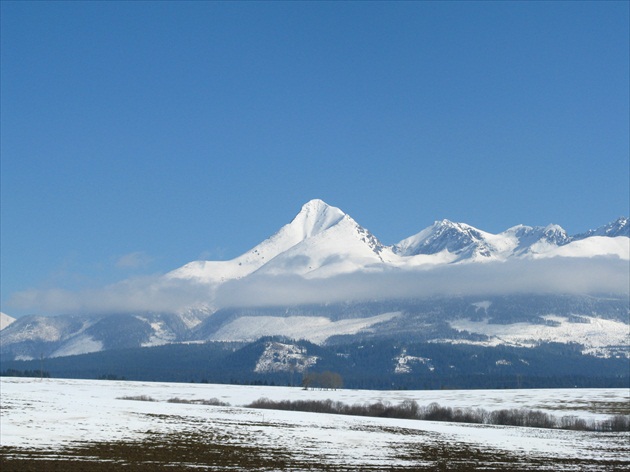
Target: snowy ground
point(53, 414)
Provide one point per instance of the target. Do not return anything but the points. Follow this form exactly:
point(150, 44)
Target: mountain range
point(326, 279)
point(323, 241)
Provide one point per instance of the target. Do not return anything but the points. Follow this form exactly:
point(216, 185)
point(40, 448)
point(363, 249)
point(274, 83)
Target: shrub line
point(409, 409)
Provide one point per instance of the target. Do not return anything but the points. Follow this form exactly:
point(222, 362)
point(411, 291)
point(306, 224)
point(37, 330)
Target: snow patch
point(594, 246)
point(598, 336)
point(40, 328)
point(282, 357)
point(312, 328)
point(24, 358)
point(82, 344)
point(482, 305)
point(161, 334)
point(404, 363)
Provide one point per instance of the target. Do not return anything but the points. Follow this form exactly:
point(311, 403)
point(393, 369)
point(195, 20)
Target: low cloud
point(550, 276)
point(158, 294)
point(141, 294)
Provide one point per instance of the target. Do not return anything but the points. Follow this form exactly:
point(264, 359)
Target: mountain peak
point(556, 234)
point(449, 225)
point(315, 217)
point(444, 222)
point(619, 227)
point(442, 235)
point(315, 204)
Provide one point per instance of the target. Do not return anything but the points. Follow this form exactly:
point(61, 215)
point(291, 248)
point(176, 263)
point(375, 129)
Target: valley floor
point(62, 424)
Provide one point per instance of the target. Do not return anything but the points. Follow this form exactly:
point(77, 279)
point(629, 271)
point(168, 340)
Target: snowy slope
point(43, 328)
point(54, 331)
point(341, 248)
point(594, 246)
point(533, 240)
point(599, 337)
point(313, 328)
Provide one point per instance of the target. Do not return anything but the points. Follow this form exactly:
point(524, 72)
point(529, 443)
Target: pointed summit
point(315, 204)
point(314, 217)
point(324, 241)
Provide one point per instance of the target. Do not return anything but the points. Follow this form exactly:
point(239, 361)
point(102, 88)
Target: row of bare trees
point(409, 409)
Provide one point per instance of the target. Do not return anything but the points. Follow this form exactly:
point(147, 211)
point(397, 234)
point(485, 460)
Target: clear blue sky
point(138, 136)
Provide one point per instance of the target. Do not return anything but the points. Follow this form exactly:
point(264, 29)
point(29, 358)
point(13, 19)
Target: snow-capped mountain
point(323, 241)
point(320, 240)
point(459, 242)
point(314, 218)
point(534, 240)
point(619, 227)
point(324, 246)
point(342, 247)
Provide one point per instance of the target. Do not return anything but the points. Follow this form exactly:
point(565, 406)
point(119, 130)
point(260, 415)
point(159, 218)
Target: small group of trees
point(322, 380)
point(110, 377)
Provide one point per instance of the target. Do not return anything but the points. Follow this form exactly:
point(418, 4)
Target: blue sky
point(138, 136)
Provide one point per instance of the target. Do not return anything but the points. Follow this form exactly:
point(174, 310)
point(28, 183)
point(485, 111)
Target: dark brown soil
point(196, 452)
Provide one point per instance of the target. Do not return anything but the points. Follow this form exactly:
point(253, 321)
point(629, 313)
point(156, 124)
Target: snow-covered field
point(52, 414)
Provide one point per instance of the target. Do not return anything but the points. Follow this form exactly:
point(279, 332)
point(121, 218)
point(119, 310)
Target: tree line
point(25, 373)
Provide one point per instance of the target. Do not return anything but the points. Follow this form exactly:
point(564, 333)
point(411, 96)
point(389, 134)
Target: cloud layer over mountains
point(599, 275)
point(323, 256)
